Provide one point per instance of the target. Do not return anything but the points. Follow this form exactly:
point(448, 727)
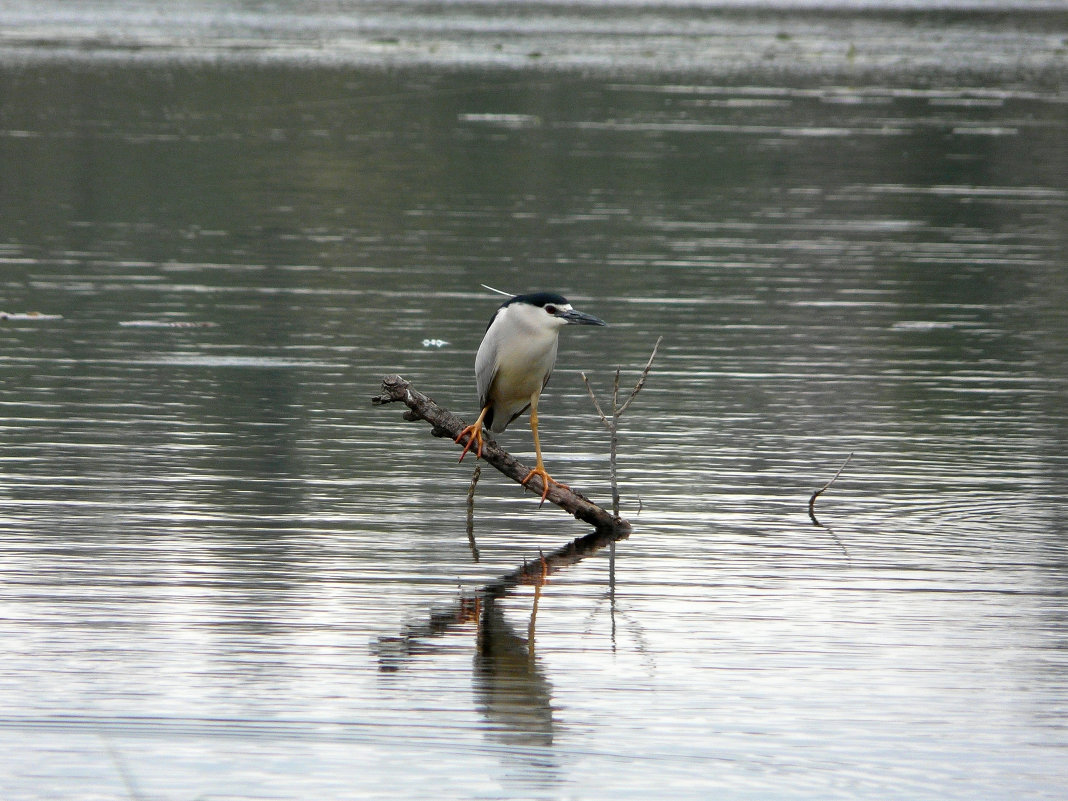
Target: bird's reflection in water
point(416, 638)
point(511, 689)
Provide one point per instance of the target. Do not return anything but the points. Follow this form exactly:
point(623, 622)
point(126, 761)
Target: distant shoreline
point(1008, 40)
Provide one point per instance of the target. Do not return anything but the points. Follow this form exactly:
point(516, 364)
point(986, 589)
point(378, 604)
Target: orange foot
point(546, 480)
point(473, 434)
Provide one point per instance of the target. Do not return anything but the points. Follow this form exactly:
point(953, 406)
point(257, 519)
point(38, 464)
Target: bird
point(513, 366)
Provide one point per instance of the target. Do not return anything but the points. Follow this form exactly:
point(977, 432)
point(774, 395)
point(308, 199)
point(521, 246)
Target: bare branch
point(471, 512)
point(641, 380)
point(593, 398)
point(445, 424)
point(812, 506)
point(824, 488)
point(613, 424)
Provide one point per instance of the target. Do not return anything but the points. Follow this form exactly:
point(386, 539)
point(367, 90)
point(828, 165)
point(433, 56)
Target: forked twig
point(641, 380)
point(617, 411)
point(596, 405)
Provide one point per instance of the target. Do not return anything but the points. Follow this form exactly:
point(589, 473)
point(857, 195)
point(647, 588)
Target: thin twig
point(471, 512)
point(812, 507)
point(824, 488)
point(593, 398)
point(641, 380)
point(617, 411)
point(613, 443)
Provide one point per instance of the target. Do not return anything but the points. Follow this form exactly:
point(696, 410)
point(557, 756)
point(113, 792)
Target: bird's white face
point(555, 311)
point(538, 319)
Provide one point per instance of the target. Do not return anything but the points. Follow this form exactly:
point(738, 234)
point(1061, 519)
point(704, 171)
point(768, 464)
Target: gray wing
point(486, 366)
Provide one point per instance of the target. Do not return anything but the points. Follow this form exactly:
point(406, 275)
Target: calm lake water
point(225, 575)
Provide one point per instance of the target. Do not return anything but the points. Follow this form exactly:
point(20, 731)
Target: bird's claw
point(473, 434)
point(546, 480)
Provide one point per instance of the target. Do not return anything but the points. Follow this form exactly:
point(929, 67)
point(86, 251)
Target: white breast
point(522, 341)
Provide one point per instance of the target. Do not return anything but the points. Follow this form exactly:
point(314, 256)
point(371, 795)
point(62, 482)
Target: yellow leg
point(474, 434)
point(539, 467)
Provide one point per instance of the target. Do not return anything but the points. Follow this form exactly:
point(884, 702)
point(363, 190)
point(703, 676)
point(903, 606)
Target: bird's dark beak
point(574, 317)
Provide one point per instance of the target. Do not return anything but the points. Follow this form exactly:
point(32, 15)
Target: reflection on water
point(223, 573)
point(512, 691)
point(515, 697)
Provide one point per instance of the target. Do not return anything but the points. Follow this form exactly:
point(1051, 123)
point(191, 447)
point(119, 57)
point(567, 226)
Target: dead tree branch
point(641, 379)
point(812, 506)
point(445, 424)
point(617, 411)
point(824, 488)
point(471, 512)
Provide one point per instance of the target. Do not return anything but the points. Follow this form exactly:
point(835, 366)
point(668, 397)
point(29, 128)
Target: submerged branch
point(812, 506)
point(471, 512)
point(824, 488)
point(445, 424)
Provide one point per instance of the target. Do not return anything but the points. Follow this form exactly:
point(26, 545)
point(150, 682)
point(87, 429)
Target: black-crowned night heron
point(514, 363)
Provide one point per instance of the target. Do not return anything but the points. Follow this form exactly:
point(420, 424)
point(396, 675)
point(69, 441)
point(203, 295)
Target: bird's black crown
point(538, 299)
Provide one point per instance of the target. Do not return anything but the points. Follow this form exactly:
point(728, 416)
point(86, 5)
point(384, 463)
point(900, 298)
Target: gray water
point(224, 574)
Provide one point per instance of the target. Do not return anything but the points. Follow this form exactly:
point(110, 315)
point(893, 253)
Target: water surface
point(226, 575)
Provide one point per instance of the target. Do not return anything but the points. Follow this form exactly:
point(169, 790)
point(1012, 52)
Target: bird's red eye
point(550, 309)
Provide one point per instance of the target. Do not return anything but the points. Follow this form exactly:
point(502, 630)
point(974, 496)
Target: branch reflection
point(394, 652)
point(512, 692)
